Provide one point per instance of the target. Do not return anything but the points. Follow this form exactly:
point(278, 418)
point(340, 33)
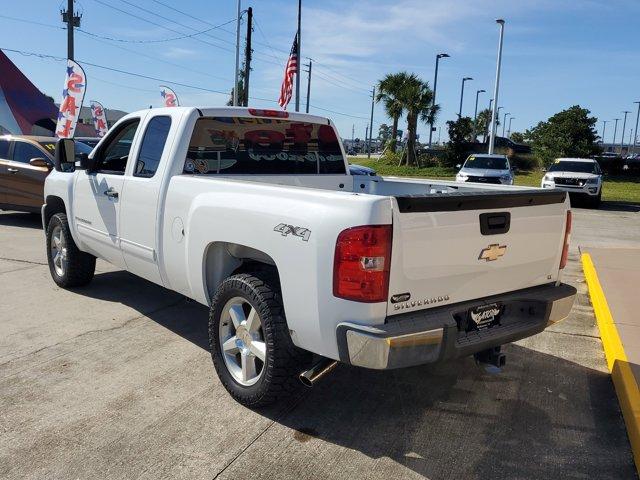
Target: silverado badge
point(492, 252)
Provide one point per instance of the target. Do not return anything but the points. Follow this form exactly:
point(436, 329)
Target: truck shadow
point(21, 220)
point(542, 417)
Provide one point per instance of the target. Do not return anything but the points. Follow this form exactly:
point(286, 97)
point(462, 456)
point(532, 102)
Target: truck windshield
point(251, 145)
point(492, 163)
point(581, 167)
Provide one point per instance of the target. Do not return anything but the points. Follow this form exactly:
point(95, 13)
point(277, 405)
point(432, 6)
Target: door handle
point(111, 193)
point(12, 170)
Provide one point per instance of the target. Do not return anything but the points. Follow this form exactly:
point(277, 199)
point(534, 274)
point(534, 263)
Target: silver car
point(581, 177)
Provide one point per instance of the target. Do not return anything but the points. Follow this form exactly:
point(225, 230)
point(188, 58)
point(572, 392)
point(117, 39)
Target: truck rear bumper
point(442, 333)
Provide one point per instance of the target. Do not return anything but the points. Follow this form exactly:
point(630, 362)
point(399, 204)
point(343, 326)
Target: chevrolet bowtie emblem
point(492, 252)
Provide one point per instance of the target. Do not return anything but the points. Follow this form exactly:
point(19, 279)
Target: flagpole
point(235, 85)
point(299, 58)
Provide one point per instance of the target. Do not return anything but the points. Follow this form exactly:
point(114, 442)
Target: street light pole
point(475, 114)
point(634, 138)
point(615, 131)
point(492, 139)
point(624, 125)
point(462, 95)
point(373, 101)
point(435, 85)
point(504, 122)
point(509, 130)
point(486, 127)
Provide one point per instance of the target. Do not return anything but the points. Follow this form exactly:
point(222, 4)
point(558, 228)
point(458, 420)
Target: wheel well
point(223, 259)
point(54, 205)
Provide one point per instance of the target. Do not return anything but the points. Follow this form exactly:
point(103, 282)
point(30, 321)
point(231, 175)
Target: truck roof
point(585, 160)
point(250, 112)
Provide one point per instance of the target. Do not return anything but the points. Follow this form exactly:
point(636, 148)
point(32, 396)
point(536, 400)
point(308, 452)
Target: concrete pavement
point(115, 381)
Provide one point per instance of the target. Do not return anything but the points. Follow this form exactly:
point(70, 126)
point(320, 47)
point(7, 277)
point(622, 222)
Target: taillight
point(258, 112)
point(361, 263)
point(565, 249)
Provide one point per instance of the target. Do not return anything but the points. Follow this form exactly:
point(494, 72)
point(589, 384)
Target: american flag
point(290, 70)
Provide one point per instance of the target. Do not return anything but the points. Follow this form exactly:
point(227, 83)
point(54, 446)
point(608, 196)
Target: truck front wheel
point(69, 266)
point(250, 344)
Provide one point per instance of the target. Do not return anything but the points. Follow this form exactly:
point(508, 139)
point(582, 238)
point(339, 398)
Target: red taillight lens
point(268, 113)
point(361, 263)
point(565, 249)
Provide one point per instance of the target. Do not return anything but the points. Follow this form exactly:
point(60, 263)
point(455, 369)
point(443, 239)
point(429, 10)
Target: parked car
point(25, 162)
point(485, 168)
point(581, 177)
point(361, 170)
point(91, 141)
point(254, 214)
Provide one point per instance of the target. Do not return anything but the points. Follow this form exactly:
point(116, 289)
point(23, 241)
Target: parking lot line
point(617, 362)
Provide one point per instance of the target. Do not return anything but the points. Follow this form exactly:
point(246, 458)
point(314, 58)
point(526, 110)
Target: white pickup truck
point(254, 214)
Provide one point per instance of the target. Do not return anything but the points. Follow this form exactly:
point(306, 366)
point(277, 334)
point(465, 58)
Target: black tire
point(79, 267)
point(283, 361)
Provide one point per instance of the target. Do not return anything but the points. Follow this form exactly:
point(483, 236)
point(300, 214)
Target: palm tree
point(389, 90)
point(416, 98)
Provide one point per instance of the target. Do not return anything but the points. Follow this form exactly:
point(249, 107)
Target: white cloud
point(179, 52)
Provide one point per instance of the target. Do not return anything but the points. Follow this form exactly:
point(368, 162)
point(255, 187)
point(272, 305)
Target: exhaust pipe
point(315, 373)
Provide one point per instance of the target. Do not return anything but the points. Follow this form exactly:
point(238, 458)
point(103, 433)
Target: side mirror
point(39, 162)
point(65, 156)
point(458, 166)
point(544, 169)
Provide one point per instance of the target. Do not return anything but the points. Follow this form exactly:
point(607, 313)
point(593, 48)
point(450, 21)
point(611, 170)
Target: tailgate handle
point(495, 223)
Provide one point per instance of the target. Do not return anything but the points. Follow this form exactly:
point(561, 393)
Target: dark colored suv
point(25, 162)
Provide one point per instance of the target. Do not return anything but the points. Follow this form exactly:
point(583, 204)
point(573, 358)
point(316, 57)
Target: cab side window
point(112, 157)
point(153, 142)
point(4, 149)
point(23, 152)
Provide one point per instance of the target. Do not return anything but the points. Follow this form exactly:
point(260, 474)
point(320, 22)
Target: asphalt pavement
point(115, 381)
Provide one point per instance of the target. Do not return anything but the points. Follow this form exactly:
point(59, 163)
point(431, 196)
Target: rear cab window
point(263, 146)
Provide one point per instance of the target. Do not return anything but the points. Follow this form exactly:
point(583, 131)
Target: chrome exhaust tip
point(315, 373)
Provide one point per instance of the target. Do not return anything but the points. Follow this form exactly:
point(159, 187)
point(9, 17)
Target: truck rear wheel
point(250, 344)
point(69, 266)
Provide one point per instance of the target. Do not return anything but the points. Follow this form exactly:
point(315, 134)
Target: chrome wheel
point(242, 340)
point(58, 251)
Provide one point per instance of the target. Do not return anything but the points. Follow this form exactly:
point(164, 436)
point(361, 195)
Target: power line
point(161, 40)
point(57, 27)
point(328, 80)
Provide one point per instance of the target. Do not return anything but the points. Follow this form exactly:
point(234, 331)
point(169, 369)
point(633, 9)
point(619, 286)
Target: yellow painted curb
point(623, 378)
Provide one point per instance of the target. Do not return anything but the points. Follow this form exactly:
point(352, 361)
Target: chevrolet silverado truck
point(254, 214)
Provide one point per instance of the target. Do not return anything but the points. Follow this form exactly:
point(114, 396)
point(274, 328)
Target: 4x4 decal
point(301, 232)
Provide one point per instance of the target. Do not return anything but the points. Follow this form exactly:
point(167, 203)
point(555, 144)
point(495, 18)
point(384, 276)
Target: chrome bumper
point(433, 335)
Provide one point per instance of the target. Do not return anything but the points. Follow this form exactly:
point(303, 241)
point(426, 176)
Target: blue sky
point(557, 53)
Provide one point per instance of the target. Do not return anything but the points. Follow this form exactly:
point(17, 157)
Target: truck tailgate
point(454, 247)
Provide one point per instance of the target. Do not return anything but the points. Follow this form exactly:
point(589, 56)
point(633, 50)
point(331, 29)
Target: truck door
point(139, 219)
point(97, 194)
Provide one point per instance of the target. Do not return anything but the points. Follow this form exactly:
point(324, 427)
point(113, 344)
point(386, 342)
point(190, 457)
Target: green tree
point(388, 92)
point(482, 121)
point(384, 133)
point(416, 98)
point(460, 131)
point(569, 133)
point(517, 137)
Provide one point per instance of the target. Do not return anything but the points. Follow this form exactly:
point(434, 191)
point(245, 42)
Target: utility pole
point(604, 129)
point(635, 141)
point(366, 133)
point(475, 115)
point(624, 125)
point(237, 70)
point(509, 130)
point(435, 86)
point(353, 133)
point(299, 45)
point(247, 56)
point(71, 20)
point(615, 131)
point(308, 83)
point(373, 100)
point(492, 139)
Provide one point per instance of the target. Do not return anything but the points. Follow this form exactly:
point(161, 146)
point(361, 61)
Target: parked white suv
point(485, 168)
point(581, 177)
